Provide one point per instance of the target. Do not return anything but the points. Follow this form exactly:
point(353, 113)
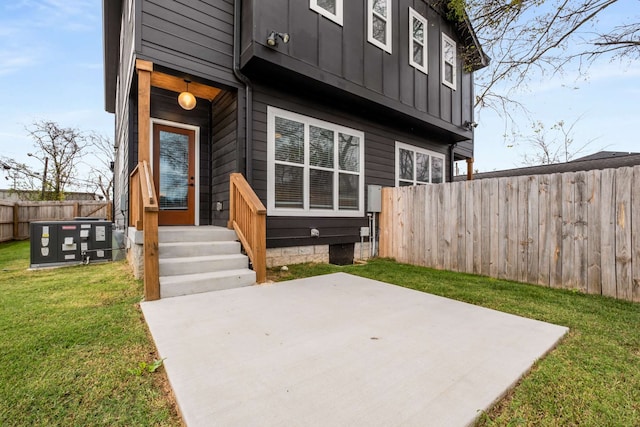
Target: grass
point(71, 339)
point(591, 379)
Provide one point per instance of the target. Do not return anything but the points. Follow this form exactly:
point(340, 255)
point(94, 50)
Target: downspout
point(452, 148)
point(248, 99)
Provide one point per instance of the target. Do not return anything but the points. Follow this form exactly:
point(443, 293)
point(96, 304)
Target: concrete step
point(194, 249)
point(202, 264)
point(173, 286)
point(174, 234)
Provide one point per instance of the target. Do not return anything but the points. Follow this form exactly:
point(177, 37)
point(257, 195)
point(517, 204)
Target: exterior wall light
point(272, 40)
point(469, 125)
point(186, 98)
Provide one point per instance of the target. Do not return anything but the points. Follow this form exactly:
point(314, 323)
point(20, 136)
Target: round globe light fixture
point(186, 99)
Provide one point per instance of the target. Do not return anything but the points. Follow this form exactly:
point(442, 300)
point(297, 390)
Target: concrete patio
point(339, 350)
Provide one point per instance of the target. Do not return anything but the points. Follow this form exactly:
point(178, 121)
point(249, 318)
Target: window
point(418, 166)
point(418, 41)
point(379, 24)
point(448, 62)
point(331, 9)
point(314, 168)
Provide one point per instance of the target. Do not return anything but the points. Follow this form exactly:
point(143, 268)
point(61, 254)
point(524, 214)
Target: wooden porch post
point(144, 68)
point(150, 215)
point(470, 169)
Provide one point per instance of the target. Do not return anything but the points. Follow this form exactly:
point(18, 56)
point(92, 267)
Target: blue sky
point(51, 68)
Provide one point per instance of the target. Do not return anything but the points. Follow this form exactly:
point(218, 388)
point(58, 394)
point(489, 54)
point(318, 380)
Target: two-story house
point(311, 100)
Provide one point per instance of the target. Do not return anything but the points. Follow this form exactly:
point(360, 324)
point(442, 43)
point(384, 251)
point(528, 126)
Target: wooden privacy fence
point(16, 216)
point(575, 230)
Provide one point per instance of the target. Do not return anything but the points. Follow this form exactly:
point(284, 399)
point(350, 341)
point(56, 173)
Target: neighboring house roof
point(601, 160)
point(604, 155)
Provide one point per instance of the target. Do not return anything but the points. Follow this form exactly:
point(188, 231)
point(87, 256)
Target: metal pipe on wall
point(248, 98)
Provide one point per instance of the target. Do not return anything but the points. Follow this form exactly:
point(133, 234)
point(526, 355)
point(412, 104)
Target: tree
point(526, 38)
point(59, 150)
point(24, 181)
point(100, 179)
point(554, 144)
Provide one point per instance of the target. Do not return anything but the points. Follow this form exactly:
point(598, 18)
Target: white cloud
point(12, 62)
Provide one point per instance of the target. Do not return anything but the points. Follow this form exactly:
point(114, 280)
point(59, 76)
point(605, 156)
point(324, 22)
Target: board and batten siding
point(123, 117)
point(342, 57)
point(193, 37)
point(379, 153)
point(226, 153)
point(577, 230)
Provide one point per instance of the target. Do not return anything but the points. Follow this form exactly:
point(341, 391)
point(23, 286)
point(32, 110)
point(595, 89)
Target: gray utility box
point(70, 242)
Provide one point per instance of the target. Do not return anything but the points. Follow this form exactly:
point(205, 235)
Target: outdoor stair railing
point(248, 217)
point(144, 216)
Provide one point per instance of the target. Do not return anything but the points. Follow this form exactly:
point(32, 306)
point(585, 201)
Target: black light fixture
point(186, 98)
point(272, 39)
point(469, 125)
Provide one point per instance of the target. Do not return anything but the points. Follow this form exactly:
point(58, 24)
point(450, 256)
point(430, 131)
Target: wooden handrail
point(143, 214)
point(248, 217)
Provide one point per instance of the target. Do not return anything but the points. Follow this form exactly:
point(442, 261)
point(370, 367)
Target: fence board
point(544, 230)
point(623, 233)
point(607, 232)
point(533, 239)
point(511, 205)
point(594, 272)
point(494, 240)
point(635, 236)
point(522, 266)
point(477, 230)
point(469, 214)
point(568, 231)
point(581, 212)
point(555, 235)
point(486, 221)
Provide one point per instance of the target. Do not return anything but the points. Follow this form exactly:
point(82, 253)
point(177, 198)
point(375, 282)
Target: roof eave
point(111, 21)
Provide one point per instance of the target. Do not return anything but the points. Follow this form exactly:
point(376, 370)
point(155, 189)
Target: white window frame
point(272, 210)
point(447, 39)
point(415, 16)
point(389, 33)
point(337, 17)
point(431, 154)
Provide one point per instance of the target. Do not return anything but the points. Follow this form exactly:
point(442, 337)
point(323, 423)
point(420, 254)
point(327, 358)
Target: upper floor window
point(331, 9)
point(379, 23)
point(314, 168)
point(449, 61)
point(416, 165)
point(418, 41)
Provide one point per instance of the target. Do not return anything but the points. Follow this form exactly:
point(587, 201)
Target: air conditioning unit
point(56, 243)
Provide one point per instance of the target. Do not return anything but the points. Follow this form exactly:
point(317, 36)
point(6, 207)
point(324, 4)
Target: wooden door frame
point(196, 130)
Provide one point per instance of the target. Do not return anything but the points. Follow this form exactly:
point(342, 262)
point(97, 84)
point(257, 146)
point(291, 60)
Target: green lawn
point(70, 338)
point(591, 379)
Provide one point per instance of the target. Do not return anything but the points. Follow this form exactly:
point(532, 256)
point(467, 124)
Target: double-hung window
point(314, 168)
point(416, 165)
point(418, 41)
point(379, 23)
point(331, 9)
point(449, 61)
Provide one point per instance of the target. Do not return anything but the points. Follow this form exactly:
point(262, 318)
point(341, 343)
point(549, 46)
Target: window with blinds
point(314, 167)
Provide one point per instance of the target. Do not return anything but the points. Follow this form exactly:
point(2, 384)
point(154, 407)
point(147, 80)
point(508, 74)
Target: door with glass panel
point(174, 174)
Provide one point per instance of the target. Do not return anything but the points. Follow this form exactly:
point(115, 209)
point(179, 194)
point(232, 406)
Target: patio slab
point(339, 350)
